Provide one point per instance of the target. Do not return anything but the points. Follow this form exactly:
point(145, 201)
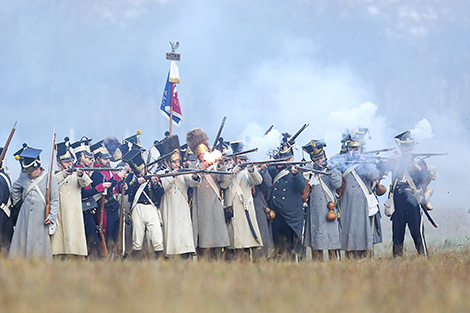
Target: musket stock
point(311, 170)
point(103, 248)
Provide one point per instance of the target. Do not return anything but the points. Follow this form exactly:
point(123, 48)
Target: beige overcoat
point(240, 233)
point(69, 237)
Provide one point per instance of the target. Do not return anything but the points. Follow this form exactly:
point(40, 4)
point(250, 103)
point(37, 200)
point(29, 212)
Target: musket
point(425, 155)
point(96, 169)
point(311, 170)
point(265, 161)
point(117, 250)
point(378, 151)
point(103, 248)
point(219, 132)
point(160, 158)
point(269, 129)
point(186, 172)
point(236, 154)
point(51, 169)
point(298, 132)
point(5, 148)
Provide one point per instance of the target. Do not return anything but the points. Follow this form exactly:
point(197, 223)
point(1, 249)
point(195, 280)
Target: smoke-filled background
point(97, 68)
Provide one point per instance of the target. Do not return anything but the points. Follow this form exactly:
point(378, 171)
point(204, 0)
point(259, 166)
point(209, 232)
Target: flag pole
point(171, 117)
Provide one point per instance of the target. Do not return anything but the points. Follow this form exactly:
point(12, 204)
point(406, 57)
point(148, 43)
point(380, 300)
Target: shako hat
point(315, 149)
point(286, 148)
point(63, 150)
point(197, 140)
point(187, 153)
point(99, 150)
point(346, 138)
point(135, 139)
point(82, 148)
point(29, 158)
point(405, 139)
point(223, 146)
point(134, 158)
point(170, 145)
point(237, 146)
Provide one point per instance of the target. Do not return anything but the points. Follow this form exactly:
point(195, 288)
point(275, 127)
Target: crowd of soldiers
point(209, 202)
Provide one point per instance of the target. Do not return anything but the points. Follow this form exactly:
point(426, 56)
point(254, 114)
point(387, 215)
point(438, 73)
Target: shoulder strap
point(281, 174)
point(327, 189)
point(33, 184)
point(137, 195)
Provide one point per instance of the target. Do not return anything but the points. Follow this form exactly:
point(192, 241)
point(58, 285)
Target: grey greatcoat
point(265, 226)
point(210, 229)
point(356, 232)
point(31, 237)
point(240, 231)
point(320, 233)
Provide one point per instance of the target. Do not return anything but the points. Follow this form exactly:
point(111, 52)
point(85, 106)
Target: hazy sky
point(98, 68)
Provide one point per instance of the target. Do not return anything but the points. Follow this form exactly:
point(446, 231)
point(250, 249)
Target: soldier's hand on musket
point(124, 187)
point(142, 180)
point(154, 179)
point(79, 172)
point(251, 168)
point(106, 185)
point(66, 173)
point(263, 167)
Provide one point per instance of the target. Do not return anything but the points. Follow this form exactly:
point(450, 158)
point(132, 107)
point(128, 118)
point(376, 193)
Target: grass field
point(440, 283)
point(414, 284)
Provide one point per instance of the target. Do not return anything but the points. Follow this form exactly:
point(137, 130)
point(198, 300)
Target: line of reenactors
point(108, 199)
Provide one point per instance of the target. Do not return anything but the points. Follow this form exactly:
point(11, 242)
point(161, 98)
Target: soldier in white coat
point(31, 237)
point(243, 227)
point(177, 224)
point(69, 238)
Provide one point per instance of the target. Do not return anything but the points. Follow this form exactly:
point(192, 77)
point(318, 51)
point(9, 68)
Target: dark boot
point(159, 255)
point(136, 255)
point(397, 249)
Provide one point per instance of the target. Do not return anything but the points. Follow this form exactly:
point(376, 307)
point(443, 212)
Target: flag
point(170, 96)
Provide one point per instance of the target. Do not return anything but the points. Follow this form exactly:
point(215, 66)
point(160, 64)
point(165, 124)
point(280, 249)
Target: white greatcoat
point(69, 237)
point(31, 237)
point(240, 233)
point(177, 224)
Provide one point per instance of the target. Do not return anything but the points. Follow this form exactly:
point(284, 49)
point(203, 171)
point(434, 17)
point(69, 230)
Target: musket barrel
point(219, 132)
point(5, 147)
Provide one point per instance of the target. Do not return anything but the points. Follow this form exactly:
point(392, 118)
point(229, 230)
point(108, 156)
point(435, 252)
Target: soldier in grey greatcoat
point(264, 224)
point(210, 229)
point(322, 229)
point(357, 211)
point(31, 236)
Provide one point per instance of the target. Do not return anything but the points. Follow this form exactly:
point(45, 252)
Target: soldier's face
point(105, 162)
point(175, 164)
point(35, 173)
point(320, 160)
point(87, 161)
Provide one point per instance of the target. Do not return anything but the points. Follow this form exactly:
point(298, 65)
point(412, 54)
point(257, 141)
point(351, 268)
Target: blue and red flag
point(170, 96)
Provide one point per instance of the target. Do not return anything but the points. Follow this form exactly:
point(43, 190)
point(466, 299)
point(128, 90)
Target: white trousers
point(145, 216)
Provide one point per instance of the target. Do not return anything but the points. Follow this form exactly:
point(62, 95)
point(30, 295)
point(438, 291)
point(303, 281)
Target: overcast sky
point(97, 68)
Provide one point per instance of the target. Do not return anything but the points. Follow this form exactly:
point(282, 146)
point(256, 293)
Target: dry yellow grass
point(412, 284)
